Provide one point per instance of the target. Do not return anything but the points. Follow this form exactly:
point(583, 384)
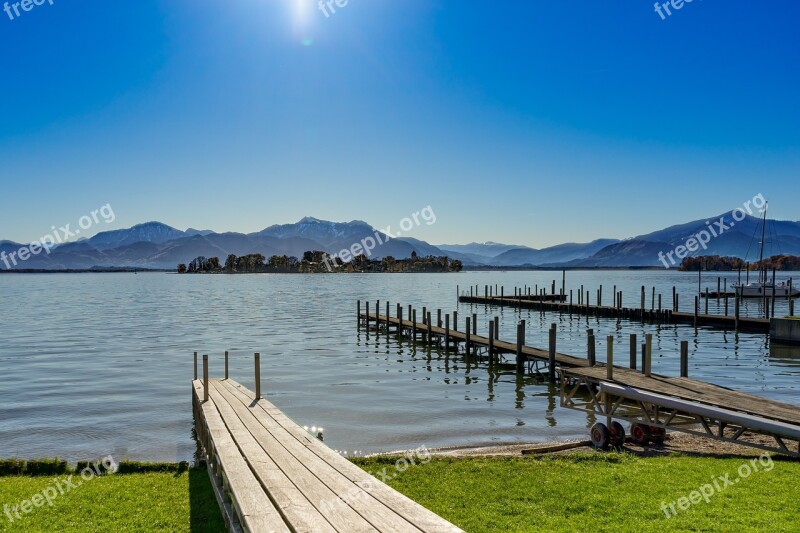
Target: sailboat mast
point(762, 275)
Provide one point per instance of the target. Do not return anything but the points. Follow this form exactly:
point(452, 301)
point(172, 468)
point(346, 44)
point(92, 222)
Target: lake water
point(94, 364)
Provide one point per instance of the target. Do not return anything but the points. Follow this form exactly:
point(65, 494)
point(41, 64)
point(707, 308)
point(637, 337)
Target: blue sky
point(529, 122)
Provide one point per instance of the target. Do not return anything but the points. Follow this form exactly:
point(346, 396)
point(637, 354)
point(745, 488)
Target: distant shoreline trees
point(316, 262)
point(718, 263)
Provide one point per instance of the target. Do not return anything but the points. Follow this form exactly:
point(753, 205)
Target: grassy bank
point(600, 492)
point(138, 498)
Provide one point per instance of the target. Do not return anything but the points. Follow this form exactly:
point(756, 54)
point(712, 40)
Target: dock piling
point(649, 360)
point(551, 355)
point(226, 364)
point(258, 375)
point(520, 344)
point(633, 351)
point(491, 342)
point(195, 366)
point(205, 377)
point(610, 357)
point(590, 348)
point(684, 359)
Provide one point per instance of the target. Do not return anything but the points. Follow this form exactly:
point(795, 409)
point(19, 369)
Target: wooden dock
point(272, 475)
point(642, 314)
point(641, 397)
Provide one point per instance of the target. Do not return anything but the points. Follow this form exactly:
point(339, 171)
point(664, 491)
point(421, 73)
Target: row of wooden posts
point(523, 298)
point(583, 296)
point(257, 359)
point(493, 335)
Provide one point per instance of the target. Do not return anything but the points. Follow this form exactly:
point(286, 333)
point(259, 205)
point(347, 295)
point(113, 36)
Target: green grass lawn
point(599, 492)
point(157, 501)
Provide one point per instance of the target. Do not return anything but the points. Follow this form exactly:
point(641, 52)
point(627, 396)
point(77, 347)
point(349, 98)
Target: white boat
point(763, 288)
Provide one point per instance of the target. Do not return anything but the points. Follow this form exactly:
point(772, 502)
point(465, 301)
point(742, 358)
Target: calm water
point(94, 364)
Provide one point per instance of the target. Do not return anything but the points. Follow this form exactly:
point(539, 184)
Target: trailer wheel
point(600, 436)
point(640, 434)
point(617, 434)
point(658, 435)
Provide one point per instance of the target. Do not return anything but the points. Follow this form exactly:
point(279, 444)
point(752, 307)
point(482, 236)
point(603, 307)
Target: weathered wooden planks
point(271, 464)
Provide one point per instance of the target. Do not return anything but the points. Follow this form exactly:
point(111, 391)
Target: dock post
point(791, 299)
point(455, 320)
point(399, 320)
point(551, 355)
point(653, 299)
point(485, 291)
point(696, 309)
point(424, 314)
point(226, 364)
point(649, 358)
point(773, 292)
point(474, 323)
point(610, 357)
point(563, 282)
point(600, 296)
point(633, 351)
point(684, 359)
point(677, 302)
point(496, 327)
point(674, 299)
point(205, 377)
point(467, 331)
point(414, 325)
point(438, 318)
point(726, 305)
point(719, 287)
point(430, 335)
point(358, 313)
point(195, 366)
point(388, 322)
point(641, 307)
point(258, 376)
point(706, 300)
point(377, 315)
point(520, 343)
point(590, 348)
point(570, 300)
point(446, 332)
point(491, 342)
point(736, 311)
point(366, 315)
point(502, 291)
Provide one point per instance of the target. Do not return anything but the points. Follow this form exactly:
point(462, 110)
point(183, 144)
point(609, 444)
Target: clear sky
point(531, 122)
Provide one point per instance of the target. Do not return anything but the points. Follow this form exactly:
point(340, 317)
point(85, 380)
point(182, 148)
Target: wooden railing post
point(258, 375)
point(205, 377)
point(226, 364)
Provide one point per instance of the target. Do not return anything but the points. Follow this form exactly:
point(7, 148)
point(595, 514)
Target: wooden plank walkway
point(666, 316)
point(696, 391)
point(272, 475)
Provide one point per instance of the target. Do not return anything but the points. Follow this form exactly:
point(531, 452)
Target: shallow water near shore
point(98, 364)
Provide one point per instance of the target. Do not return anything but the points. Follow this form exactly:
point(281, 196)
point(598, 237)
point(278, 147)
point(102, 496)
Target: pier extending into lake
point(523, 298)
point(270, 474)
point(649, 401)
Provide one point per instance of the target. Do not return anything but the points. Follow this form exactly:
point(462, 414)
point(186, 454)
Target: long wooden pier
point(271, 475)
point(643, 314)
point(647, 400)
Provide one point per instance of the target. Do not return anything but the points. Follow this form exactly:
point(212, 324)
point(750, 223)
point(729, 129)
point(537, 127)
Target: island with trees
point(316, 262)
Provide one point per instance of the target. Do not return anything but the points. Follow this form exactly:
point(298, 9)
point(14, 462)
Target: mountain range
point(159, 246)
